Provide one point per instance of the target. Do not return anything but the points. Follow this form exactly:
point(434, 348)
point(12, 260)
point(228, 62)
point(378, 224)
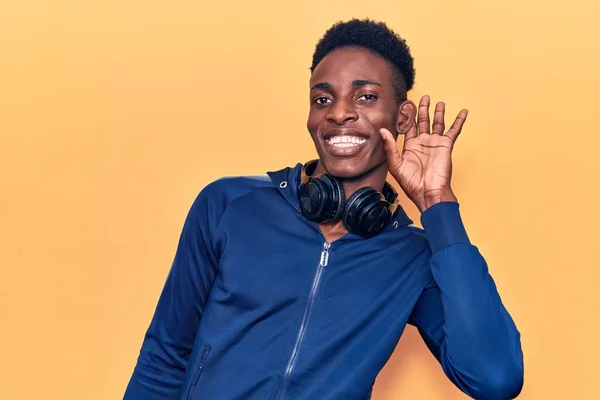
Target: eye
point(322, 101)
point(368, 97)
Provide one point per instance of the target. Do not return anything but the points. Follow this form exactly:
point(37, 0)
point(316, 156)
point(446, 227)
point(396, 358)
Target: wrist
point(443, 225)
point(435, 198)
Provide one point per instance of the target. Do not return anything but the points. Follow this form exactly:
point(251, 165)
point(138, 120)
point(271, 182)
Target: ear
point(407, 111)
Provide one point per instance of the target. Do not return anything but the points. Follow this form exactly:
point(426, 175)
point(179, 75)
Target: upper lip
point(343, 132)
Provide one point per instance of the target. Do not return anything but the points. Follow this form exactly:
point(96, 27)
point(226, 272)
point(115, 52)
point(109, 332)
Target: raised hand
point(424, 168)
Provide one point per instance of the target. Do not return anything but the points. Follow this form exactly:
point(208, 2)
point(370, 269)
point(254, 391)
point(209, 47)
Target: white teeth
point(345, 141)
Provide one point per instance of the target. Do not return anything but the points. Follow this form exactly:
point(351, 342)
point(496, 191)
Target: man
point(299, 284)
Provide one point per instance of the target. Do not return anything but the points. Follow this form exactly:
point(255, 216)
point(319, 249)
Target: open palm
point(424, 167)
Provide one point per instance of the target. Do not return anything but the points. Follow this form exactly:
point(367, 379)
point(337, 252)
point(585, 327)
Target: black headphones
point(367, 212)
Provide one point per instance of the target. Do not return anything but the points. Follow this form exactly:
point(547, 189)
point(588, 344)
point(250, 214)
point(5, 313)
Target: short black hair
point(376, 37)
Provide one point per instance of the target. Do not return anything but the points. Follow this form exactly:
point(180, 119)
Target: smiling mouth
point(345, 141)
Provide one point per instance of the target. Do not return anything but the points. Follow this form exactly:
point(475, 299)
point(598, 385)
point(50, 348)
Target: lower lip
point(346, 150)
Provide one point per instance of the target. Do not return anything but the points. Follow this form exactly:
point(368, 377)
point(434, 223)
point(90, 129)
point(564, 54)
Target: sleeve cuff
point(443, 225)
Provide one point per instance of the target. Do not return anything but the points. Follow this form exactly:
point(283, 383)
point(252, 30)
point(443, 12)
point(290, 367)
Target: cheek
point(373, 123)
point(315, 123)
point(312, 122)
point(388, 119)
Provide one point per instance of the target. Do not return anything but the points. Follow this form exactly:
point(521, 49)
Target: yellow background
point(114, 114)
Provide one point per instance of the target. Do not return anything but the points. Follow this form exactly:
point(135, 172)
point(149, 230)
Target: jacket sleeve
point(460, 315)
point(168, 342)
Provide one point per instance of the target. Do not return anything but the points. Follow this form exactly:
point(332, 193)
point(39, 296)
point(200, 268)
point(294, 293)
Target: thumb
point(391, 147)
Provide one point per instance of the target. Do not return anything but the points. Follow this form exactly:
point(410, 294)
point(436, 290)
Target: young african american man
point(299, 283)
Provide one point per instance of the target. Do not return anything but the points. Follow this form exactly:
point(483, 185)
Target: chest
point(272, 265)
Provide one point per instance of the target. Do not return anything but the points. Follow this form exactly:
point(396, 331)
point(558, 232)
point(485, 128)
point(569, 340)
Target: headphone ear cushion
point(321, 199)
point(312, 200)
point(366, 212)
point(338, 197)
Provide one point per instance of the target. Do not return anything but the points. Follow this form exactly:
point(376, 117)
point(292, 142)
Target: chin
point(348, 168)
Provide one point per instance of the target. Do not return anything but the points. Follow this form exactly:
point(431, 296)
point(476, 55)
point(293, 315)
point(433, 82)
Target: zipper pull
point(325, 255)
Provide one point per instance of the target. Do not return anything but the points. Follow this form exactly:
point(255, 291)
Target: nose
point(341, 112)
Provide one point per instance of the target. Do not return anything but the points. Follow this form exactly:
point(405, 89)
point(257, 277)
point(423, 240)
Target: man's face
point(352, 97)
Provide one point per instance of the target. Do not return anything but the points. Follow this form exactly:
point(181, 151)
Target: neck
point(375, 177)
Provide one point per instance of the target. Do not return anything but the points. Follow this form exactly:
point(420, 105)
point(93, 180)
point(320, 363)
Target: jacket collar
point(287, 181)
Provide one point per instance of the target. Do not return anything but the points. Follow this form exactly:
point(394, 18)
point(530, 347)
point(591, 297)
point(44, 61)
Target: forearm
point(168, 343)
point(479, 345)
point(165, 352)
point(155, 377)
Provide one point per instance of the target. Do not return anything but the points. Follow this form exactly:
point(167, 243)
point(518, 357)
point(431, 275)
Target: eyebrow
point(322, 85)
point(355, 83)
point(364, 82)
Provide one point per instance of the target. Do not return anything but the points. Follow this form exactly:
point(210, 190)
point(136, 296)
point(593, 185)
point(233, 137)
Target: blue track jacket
point(258, 306)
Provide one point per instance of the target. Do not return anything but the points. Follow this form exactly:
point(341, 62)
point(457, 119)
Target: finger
point(390, 145)
point(423, 115)
point(412, 131)
point(457, 125)
point(438, 119)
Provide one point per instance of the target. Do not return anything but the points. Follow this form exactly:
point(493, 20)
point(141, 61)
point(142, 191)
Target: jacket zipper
point(305, 320)
point(198, 372)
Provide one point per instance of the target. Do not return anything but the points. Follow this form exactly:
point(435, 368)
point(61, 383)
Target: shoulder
point(212, 201)
point(218, 194)
point(226, 189)
point(234, 186)
point(417, 234)
point(422, 252)
point(410, 241)
point(417, 244)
